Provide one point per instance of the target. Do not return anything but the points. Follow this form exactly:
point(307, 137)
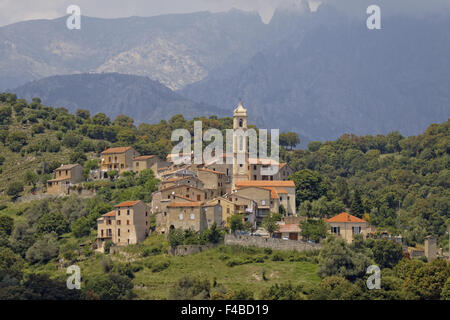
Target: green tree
point(337, 259)
point(14, 189)
point(236, 222)
point(357, 208)
point(309, 185)
point(190, 288)
point(81, 227)
point(43, 249)
point(387, 253)
point(30, 178)
point(52, 222)
point(289, 139)
point(313, 229)
point(176, 237)
point(270, 223)
point(110, 286)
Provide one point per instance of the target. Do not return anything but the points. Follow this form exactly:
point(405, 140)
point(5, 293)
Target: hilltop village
point(196, 196)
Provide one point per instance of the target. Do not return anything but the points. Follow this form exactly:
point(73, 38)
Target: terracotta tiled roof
point(281, 190)
point(282, 165)
point(67, 167)
point(173, 179)
point(211, 203)
point(110, 214)
point(116, 150)
point(289, 228)
point(182, 197)
point(185, 204)
point(180, 186)
point(273, 192)
point(345, 217)
point(262, 161)
point(143, 157)
point(126, 204)
point(210, 171)
point(265, 183)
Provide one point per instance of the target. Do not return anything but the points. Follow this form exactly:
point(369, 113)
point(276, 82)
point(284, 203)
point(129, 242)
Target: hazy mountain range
point(141, 98)
point(320, 74)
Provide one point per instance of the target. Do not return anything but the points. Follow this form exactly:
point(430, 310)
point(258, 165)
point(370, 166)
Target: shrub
point(277, 257)
point(14, 189)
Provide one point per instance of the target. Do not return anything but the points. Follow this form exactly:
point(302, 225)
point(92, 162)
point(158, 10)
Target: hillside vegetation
point(371, 176)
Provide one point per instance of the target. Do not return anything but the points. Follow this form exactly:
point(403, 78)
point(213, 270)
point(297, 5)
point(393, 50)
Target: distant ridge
point(141, 98)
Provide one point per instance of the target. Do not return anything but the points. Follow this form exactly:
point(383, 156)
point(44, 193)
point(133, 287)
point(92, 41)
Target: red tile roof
point(210, 171)
point(289, 228)
point(185, 204)
point(345, 217)
point(126, 204)
point(265, 183)
point(116, 150)
point(110, 214)
point(143, 157)
point(67, 167)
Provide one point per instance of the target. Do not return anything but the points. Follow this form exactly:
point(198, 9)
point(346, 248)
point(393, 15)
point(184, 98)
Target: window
point(102, 233)
point(118, 222)
point(181, 216)
point(146, 213)
point(121, 166)
point(128, 212)
point(192, 216)
point(228, 210)
point(198, 197)
point(137, 164)
point(118, 232)
point(356, 230)
point(240, 123)
point(128, 222)
point(118, 213)
point(336, 230)
point(254, 177)
point(281, 198)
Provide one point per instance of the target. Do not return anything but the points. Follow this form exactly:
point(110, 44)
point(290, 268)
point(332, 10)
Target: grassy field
point(259, 270)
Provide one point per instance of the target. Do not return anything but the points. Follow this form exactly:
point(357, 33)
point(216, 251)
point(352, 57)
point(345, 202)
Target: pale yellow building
point(345, 225)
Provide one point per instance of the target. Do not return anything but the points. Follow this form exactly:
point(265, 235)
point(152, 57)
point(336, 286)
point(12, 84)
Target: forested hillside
point(372, 176)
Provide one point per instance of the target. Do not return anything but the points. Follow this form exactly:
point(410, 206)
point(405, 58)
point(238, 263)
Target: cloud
point(14, 10)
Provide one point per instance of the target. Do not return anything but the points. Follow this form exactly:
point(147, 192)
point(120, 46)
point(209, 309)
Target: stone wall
point(272, 243)
point(184, 250)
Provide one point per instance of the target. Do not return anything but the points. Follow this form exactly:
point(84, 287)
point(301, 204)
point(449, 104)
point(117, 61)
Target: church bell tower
point(240, 146)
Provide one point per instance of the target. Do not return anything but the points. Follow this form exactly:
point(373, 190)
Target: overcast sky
point(18, 10)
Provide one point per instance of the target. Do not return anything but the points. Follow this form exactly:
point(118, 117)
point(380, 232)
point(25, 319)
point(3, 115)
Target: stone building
point(128, 223)
point(64, 177)
point(195, 215)
point(119, 159)
point(280, 193)
point(149, 162)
